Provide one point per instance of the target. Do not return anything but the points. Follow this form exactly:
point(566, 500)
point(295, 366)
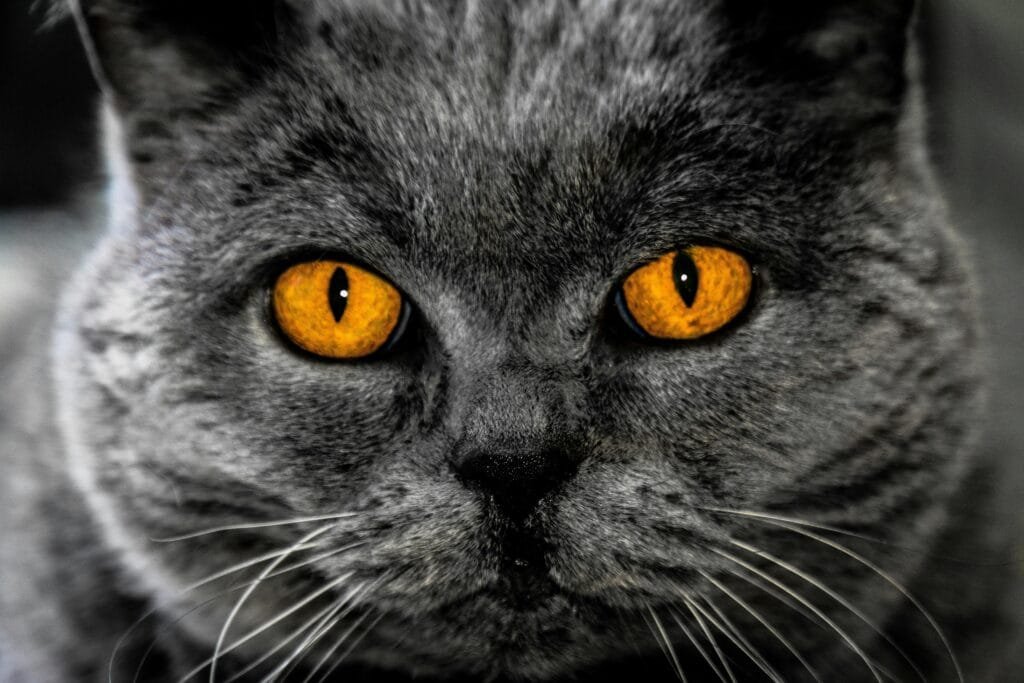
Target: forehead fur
point(511, 125)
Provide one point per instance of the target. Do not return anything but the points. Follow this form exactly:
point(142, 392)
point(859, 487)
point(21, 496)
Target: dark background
point(46, 109)
point(50, 175)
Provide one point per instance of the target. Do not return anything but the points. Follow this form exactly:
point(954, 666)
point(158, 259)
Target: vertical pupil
point(684, 273)
point(337, 294)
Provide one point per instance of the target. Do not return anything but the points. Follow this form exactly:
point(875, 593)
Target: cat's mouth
point(525, 581)
point(522, 592)
point(522, 583)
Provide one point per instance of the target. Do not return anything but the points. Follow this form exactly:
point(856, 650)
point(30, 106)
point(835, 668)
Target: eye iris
point(687, 294)
point(686, 277)
point(337, 310)
point(337, 294)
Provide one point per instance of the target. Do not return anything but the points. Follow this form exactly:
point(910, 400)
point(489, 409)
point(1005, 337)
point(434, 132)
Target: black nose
point(516, 479)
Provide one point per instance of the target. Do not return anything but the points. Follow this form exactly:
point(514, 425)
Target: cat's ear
point(169, 53)
point(854, 48)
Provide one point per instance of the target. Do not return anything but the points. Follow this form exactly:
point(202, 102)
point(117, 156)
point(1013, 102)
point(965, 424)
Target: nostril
point(517, 479)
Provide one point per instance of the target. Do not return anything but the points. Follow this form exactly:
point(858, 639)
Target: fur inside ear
point(156, 52)
point(855, 47)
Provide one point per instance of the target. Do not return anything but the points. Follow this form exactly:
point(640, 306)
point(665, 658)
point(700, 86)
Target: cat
point(516, 477)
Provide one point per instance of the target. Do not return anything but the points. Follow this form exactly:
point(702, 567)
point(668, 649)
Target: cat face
point(519, 483)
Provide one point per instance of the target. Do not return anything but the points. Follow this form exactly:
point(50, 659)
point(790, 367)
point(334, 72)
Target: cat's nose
point(517, 479)
point(515, 437)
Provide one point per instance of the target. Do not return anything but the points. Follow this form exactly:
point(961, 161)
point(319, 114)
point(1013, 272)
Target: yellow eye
point(337, 310)
point(687, 294)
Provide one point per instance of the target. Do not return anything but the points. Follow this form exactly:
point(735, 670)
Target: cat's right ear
point(173, 54)
point(850, 55)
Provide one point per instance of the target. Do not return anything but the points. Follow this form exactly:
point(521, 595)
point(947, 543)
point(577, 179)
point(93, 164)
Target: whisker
point(249, 591)
point(338, 643)
point(661, 636)
point(888, 579)
point(268, 624)
point(872, 667)
point(735, 635)
point(321, 616)
point(853, 609)
point(696, 644)
point(354, 602)
point(311, 623)
point(352, 646)
point(771, 517)
point(317, 558)
point(253, 525)
point(789, 602)
point(794, 520)
point(194, 586)
point(317, 631)
point(167, 627)
point(730, 632)
point(764, 622)
point(711, 639)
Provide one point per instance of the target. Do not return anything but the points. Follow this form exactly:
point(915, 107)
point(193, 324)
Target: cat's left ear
point(170, 54)
point(846, 48)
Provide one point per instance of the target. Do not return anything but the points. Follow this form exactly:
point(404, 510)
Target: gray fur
point(505, 165)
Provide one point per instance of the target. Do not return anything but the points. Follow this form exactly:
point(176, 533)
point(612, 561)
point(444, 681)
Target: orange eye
point(337, 310)
point(687, 294)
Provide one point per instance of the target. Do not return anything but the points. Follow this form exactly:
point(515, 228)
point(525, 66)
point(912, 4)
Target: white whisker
point(700, 648)
point(711, 639)
point(852, 644)
point(321, 616)
point(323, 660)
point(249, 591)
point(338, 643)
point(789, 602)
point(317, 631)
point(167, 627)
point(735, 635)
point(853, 534)
point(317, 558)
point(253, 525)
point(661, 636)
point(891, 581)
point(352, 646)
point(853, 609)
point(794, 520)
point(268, 624)
point(764, 622)
point(199, 584)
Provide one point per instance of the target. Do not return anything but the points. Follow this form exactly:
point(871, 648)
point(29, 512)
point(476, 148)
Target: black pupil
point(337, 293)
point(684, 273)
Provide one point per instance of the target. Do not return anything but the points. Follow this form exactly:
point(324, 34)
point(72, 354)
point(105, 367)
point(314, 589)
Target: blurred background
point(51, 178)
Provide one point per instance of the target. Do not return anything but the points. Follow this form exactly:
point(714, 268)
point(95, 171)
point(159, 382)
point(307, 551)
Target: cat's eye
point(337, 310)
point(686, 294)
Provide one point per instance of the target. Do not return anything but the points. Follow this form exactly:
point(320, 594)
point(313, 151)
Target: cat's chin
point(492, 634)
point(537, 651)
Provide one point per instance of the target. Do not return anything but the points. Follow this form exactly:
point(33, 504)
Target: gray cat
point(536, 340)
